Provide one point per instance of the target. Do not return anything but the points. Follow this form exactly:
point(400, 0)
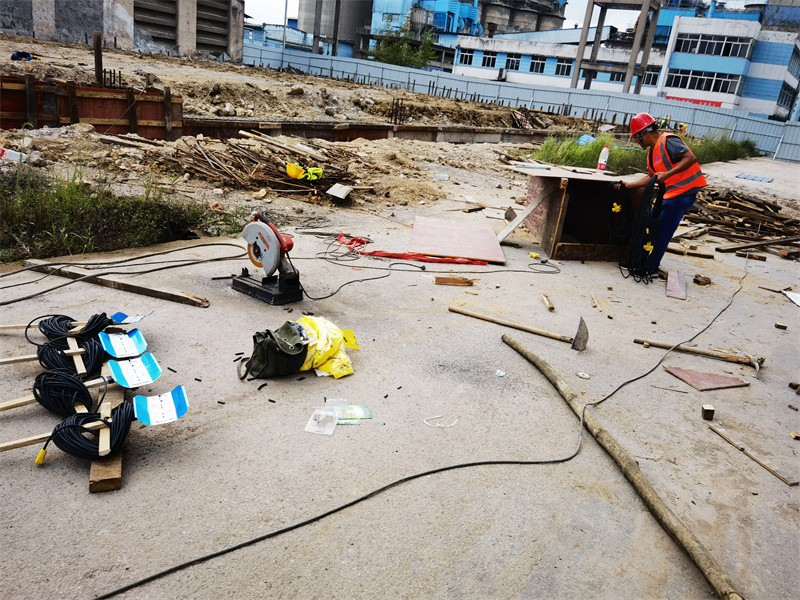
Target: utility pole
point(336, 13)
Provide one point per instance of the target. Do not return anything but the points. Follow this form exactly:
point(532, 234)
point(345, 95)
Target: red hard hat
point(639, 122)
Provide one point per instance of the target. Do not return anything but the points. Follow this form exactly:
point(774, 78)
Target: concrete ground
point(238, 466)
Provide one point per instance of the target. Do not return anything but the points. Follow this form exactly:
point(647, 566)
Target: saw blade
point(263, 246)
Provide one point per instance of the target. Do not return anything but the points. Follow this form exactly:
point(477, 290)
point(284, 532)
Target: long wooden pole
point(542, 332)
point(734, 358)
point(699, 554)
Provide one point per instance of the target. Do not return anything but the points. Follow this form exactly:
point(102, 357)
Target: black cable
point(619, 213)
point(51, 356)
point(68, 435)
point(58, 391)
point(643, 233)
point(56, 328)
point(374, 493)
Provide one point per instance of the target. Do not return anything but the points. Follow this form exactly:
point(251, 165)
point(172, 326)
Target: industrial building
point(704, 54)
point(178, 27)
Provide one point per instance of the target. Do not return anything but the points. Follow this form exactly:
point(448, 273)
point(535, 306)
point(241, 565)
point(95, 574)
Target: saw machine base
point(272, 290)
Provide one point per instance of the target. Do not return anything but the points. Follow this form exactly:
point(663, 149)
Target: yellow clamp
point(534, 255)
point(648, 246)
point(616, 208)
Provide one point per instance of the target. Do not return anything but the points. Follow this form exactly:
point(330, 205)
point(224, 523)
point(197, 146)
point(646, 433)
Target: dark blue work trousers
point(672, 211)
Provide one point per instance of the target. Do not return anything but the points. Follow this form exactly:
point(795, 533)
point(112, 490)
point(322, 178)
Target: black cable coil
point(69, 434)
point(643, 233)
point(58, 391)
point(619, 213)
point(52, 356)
point(56, 328)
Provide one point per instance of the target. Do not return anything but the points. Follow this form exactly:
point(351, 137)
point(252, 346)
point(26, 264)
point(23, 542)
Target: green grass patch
point(626, 157)
point(42, 217)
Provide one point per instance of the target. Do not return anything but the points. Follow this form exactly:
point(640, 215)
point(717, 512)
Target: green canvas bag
point(276, 353)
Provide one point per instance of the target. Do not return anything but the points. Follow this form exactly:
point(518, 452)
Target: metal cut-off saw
point(268, 249)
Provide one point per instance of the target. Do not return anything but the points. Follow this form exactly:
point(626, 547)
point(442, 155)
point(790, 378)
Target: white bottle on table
point(603, 160)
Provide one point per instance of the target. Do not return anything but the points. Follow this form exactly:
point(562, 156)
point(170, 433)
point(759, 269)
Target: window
point(465, 57)
point(489, 59)
point(651, 76)
point(537, 64)
point(564, 67)
point(787, 96)
point(794, 64)
point(704, 81)
point(714, 45)
point(512, 62)
point(617, 77)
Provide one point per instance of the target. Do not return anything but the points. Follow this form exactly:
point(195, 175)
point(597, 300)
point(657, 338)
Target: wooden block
point(676, 285)
point(781, 326)
point(547, 303)
point(708, 412)
point(746, 254)
point(795, 435)
point(106, 475)
point(453, 281)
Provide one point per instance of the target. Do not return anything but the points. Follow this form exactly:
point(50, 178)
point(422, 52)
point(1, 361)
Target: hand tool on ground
point(578, 342)
point(268, 249)
point(742, 360)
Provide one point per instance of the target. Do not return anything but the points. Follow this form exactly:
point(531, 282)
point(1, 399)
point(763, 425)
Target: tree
point(398, 47)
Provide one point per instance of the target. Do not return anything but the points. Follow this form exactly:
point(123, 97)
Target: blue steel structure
point(449, 16)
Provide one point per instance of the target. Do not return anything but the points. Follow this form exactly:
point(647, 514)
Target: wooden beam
point(772, 242)
point(523, 215)
point(107, 281)
point(106, 475)
point(98, 57)
point(42, 437)
point(26, 400)
point(30, 100)
point(72, 101)
point(133, 124)
point(742, 360)
point(167, 114)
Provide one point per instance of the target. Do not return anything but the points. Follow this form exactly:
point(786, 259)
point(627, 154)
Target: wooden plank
point(676, 285)
point(742, 360)
point(133, 124)
point(107, 281)
point(437, 237)
point(80, 367)
point(744, 246)
point(775, 288)
point(26, 400)
point(120, 95)
point(120, 122)
point(748, 254)
point(684, 252)
point(167, 114)
point(588, 252)
point(30, 101)
point(42, 437)
point(533, 205)
point(705, 381)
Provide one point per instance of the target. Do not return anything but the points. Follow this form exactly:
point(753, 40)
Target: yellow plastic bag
point(326, 344)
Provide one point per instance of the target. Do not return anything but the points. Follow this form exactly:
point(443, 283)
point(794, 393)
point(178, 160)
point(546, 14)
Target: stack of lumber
point(749, 223)
point(259, 162)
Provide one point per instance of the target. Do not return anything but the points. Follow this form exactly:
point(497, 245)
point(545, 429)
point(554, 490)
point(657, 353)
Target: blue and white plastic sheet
point(136, 371)
point(123, 345)
point(164, 408)
point(121, 318)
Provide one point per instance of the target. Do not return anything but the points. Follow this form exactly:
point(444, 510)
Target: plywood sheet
point(437, 237)
point(544, 170)
point(705, 381)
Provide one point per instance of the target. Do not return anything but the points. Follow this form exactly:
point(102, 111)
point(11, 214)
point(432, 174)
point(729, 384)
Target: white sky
point(271, 11)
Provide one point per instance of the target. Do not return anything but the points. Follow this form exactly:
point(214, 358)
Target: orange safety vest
point(658, 162)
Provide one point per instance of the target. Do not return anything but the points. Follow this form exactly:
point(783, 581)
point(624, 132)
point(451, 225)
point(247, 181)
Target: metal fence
point(772, 138)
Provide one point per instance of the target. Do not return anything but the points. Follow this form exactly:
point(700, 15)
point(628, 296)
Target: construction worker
point(677, 169)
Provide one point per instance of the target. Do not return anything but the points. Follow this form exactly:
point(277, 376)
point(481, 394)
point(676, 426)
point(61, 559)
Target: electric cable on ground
point(398, 482)
point(52, 356)
point(58, 391)
point(643, 232)
point(68, 435)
